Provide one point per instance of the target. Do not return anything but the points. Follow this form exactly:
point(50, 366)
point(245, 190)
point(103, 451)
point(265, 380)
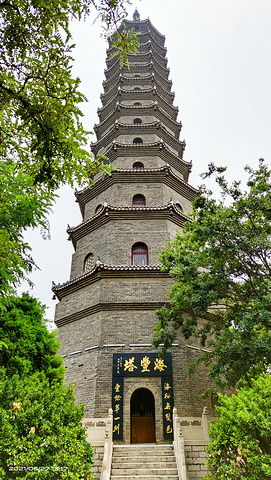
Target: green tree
point(41, 435)
point(30, 347)
point(22, 205)
point(240, 445)
point(42, 139)
point(222, 271)
point(40, 120)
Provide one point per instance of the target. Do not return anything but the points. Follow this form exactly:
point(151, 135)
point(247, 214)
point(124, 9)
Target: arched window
point(88, 262)
point(136, 76)
point(98, 208)
point(139, 200)
point(179, 207)
point(137, 88)
point(137, 104)
point(138, 165)
point(137, 121)
point(137, 141)
point(139, 254)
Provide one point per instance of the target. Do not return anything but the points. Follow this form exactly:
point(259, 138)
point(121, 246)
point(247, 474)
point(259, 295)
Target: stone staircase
point(143, 462)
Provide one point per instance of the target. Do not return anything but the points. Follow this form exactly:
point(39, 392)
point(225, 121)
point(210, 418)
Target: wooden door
point(142, 416)
point(143, 430)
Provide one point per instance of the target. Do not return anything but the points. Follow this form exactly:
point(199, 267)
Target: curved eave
point(150, 80)
point(150, 67)
point(137, 96)
point(108, 213)
point(133, 23)
point(142, 52)
point(111, 81)
point(158, 149)
point(130, 94)
point(102, 271)
point(153, 105)
point(150, 110)
point(136, 62)
point(155, 128)
point(141, 56)
point(143, 46)
point(155, 175)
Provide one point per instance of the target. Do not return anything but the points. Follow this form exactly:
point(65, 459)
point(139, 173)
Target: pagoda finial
point(136, 15)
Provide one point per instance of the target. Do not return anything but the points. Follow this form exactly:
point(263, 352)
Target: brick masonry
point(195, 457)
point(98, 452)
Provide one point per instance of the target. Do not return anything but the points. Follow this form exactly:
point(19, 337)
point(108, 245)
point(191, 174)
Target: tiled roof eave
point(102, 271)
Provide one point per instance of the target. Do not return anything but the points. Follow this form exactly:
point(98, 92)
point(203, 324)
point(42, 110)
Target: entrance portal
point(142, 416)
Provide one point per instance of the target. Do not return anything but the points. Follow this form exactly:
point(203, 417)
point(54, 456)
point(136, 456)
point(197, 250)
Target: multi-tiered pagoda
point(106, 311)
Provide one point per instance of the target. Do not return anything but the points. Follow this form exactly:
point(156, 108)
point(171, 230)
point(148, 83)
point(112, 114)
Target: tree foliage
point(222, 272)
point(43, 143)
point(23, 205)
point(30, 347)
point(240, 445)
point(41, 435)
point(40, 119)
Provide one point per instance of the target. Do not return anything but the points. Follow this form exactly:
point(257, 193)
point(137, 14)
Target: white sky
point(219, 55)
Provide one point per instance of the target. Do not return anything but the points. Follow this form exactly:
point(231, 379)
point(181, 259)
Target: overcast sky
point(219, 55)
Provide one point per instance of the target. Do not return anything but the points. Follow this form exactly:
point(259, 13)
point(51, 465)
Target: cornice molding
point(110, 307)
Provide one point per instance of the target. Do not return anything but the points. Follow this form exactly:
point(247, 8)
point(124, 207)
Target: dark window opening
point(138, 165)
point(137, 141)
point(137, 121)
point(137, 104)
point(139, 200)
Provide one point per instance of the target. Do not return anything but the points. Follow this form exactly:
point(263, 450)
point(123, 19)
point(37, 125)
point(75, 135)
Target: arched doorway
point(142, 416)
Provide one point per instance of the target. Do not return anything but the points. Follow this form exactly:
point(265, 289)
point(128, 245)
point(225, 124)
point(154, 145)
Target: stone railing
point(108, 447)
point(187, 429)
point(178, 443)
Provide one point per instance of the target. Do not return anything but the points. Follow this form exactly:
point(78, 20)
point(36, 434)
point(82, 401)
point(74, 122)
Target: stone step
point(144, 477)
point(146, 452)
point(132, 472)
point(142, 459)
point(143, 462)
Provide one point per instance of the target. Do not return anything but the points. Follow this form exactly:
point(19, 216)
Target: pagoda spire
point(136, 15)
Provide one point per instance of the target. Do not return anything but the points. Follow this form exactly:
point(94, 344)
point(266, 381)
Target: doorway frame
point(131, 416)
point(130, 386)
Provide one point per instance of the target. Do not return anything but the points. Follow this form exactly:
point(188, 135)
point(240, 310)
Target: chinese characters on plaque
point(167, 393)
point(141, 365)
point(117, 406)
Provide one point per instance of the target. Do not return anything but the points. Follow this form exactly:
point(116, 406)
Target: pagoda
point(106, 311)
